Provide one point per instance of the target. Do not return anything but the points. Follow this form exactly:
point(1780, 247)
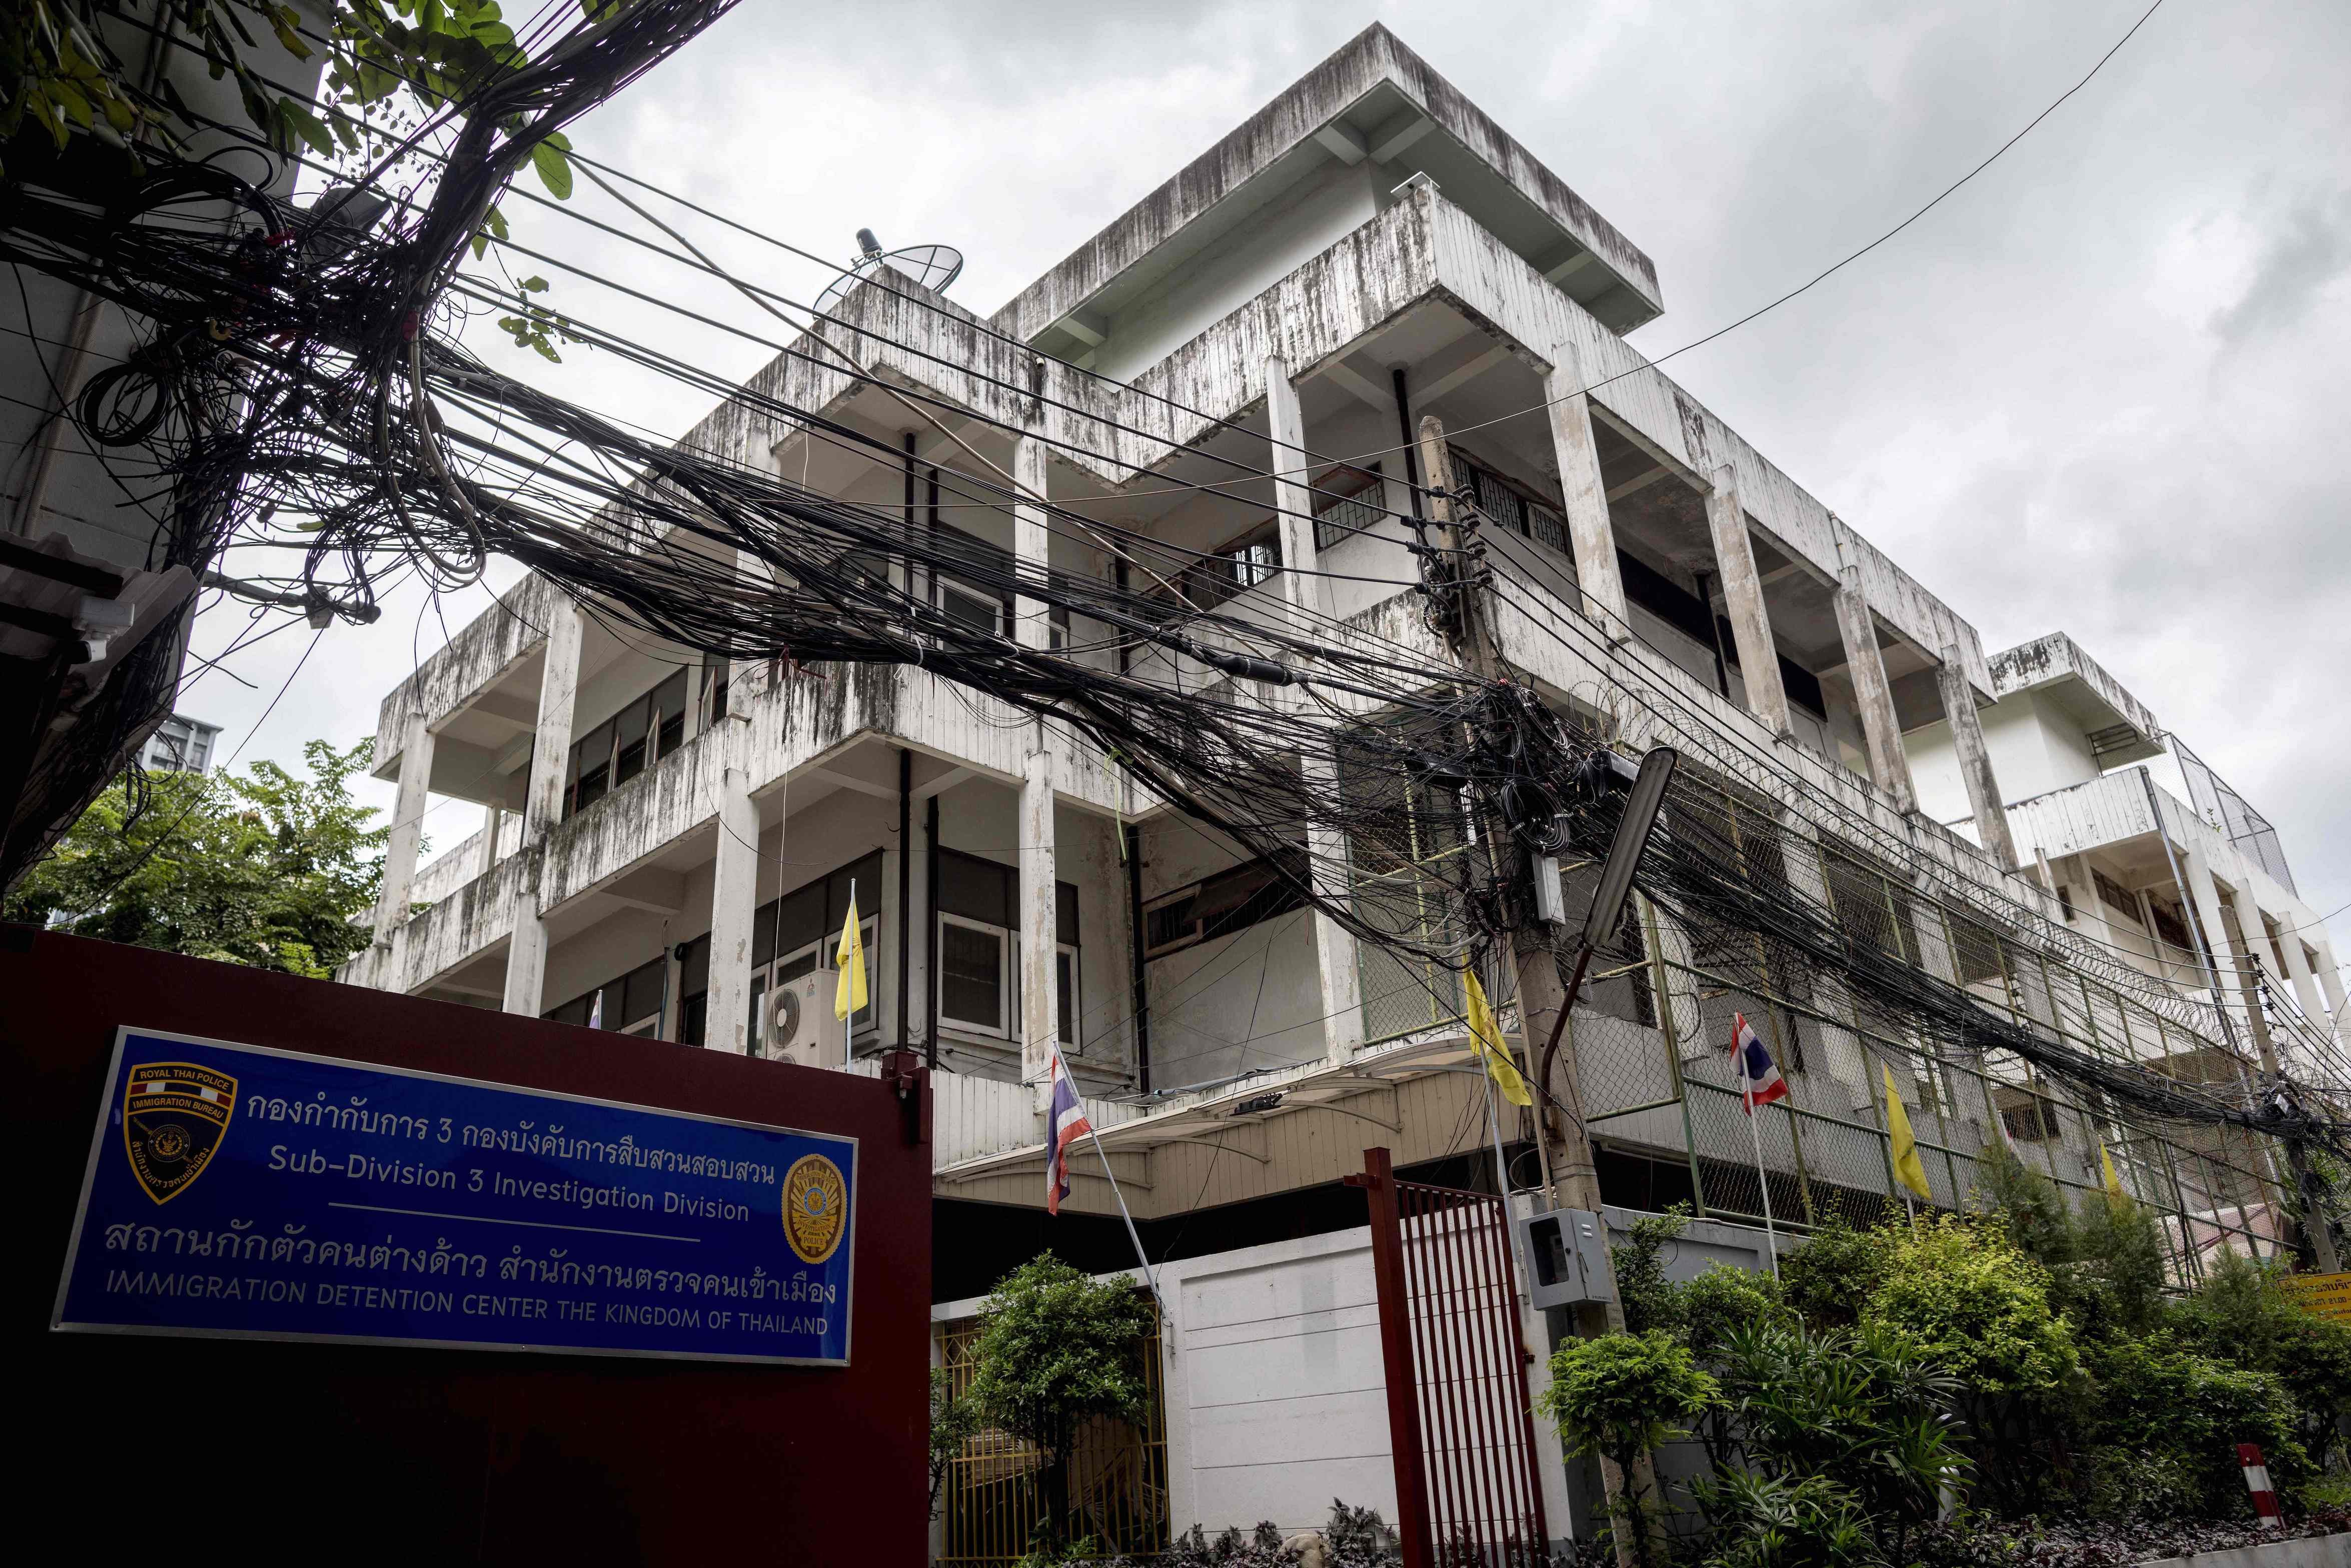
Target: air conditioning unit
point(798, 1025)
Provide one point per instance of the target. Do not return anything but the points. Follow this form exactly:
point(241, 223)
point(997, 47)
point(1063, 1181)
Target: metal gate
point(1467, 1488)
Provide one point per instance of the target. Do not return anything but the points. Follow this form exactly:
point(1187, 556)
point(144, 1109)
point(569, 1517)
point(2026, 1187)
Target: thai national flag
point(1760, 1082)
point(1068, 1123)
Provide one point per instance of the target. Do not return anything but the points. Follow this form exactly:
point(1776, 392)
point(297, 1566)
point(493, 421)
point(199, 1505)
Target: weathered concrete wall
point(1373, 56)
point(2046, 660)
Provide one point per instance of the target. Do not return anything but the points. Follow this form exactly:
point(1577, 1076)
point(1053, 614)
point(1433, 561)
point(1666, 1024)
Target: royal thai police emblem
point(173, 1116)
point(816, 1207)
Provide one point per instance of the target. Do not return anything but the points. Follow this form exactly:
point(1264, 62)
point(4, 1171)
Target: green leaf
point(69, 97)
point(533, 285)
point(306, 125)
point(554, 169)
point(498, 222)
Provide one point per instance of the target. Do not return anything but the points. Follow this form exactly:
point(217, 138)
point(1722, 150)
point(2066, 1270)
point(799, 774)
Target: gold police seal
point(173, 1114)
point(816, 1207)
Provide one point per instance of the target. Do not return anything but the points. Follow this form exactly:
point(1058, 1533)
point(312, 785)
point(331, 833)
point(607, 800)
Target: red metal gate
point(1467, 1488)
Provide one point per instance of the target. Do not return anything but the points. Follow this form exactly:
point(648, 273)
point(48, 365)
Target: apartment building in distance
point(670, 845)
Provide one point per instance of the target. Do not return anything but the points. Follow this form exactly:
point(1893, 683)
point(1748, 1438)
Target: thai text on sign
point(244, 1191)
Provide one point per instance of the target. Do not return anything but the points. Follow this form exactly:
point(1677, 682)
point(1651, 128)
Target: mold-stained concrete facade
point(1369, 235)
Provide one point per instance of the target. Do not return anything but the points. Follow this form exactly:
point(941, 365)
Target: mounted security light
point(1642, 805)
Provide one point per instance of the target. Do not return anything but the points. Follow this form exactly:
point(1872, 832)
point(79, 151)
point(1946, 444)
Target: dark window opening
point(1230, 901)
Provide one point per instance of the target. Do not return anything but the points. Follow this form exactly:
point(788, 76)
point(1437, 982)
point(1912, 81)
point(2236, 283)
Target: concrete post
point(1335, 957)
point(494, 821)
point(407, 823)
point(1040, 925)
point(2205, 892)
point(1589, 534)
point(1975, 760)
point(734, 902)
point(2297, 972)
point(2330, 981)
point(1742, 594)
point(1889, 765)
point(1031, 540)
point(1293, 502)
point(558, 688)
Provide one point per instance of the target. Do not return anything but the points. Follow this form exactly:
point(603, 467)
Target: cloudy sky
point(2092, 392)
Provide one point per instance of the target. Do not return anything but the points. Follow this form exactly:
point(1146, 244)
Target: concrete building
point(181, 744)
point(668, 842)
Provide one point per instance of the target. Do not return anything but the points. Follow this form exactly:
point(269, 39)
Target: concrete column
point(2205, 893)
point(1742, 594)
point(1889, 765)
point(2330, 981)
point(559, 687)
point(494, 821)
point(407, 823)
point(1039, 997)
point(1975, 760)
point(1335, 955)
point(1293, 501)
point(2298, 975)
point(1589, 533)
point(1030, 541)
point(734, 901)
point(1337, 963)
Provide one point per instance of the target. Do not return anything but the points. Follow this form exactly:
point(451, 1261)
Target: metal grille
point(994, 1495)
point(1657, 1083)
point(2234, 815)
point(1468, 1491)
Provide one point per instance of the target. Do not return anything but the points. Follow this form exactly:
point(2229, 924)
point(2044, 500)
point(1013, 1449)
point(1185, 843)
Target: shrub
point(1826, 1280)
point(1647, 1300)
point(1961, 1296)
point(2163, 1408)
point(1724, 1298)
point(1778, 1521)
point(1619, 1396)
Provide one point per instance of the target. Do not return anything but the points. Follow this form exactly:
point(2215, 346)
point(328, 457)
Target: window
point(693, 990)
point(631, 1004)
point(1346, 503)
point(979, 948)
point(979, 611)
point(2033, 1122)
point(799, 933)
point(2114, 896)
point(1220, 906)
point(975, 975)
point(645, 731)
point(2170, 926)
point(1057, 628)
point(1975, 951)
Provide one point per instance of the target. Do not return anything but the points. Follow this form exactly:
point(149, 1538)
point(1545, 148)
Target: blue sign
point(241, 1191)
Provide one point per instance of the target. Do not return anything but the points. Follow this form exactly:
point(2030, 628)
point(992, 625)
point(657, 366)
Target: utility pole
point(1573, 1175)
point(2306, 1182)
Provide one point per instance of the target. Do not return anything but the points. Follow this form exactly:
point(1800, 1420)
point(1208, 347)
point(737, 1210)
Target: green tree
point(2239, 1317)
point(267, 869)
point(1056, 1350)
point(1619, 1396)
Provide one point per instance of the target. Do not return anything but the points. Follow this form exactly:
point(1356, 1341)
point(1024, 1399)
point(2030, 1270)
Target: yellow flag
point(1487, 1039)
point(849, 991)
point(2113, 1180)
point(1907, 1168)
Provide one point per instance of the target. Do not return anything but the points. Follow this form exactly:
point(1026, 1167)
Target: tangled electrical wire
point(296, 388)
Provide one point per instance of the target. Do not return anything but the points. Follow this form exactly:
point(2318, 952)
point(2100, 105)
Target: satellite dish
point(935, 267)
